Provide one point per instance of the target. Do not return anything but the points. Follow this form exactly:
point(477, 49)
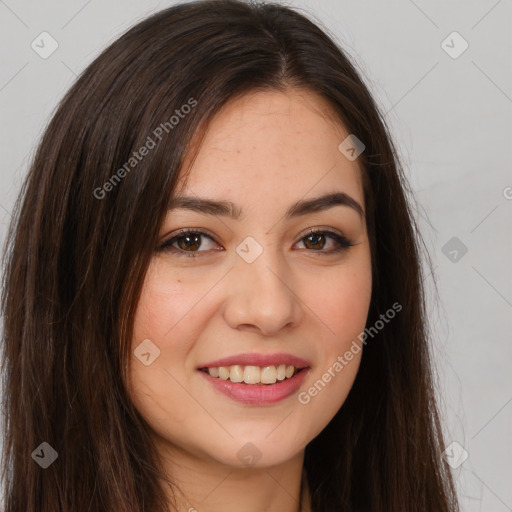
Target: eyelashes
point(183, 235)
point(192, 240)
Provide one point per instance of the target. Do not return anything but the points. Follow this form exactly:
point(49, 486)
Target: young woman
point(213, 294)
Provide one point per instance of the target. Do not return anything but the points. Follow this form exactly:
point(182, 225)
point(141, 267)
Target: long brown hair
point(83, 234)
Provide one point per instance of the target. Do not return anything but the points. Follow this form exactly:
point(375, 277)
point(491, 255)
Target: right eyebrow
point(206, 206)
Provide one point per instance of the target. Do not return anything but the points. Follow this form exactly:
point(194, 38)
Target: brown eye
point(316, 240)
point(187, 243)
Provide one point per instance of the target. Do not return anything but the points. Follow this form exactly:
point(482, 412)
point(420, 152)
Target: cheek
point(163, 302)
point(347, 309)
point(344, 306)
point(167, 317)
point(341, 304)
point(338, 357)
point(169, 310)
point(340, 300)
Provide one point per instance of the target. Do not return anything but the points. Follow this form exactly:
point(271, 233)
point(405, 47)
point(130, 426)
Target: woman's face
point(257, 289)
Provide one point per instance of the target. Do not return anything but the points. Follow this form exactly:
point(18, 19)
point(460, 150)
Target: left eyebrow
point(325, 202)
point(302, 207)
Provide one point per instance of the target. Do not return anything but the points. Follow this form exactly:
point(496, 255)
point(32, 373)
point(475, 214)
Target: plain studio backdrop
point(441, 74)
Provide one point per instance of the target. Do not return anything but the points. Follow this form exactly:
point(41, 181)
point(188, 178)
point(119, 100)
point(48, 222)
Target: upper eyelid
point(185, 231)
point(167, 242)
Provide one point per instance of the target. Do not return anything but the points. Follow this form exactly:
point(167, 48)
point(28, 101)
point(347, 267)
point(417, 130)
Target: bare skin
point(263, 152)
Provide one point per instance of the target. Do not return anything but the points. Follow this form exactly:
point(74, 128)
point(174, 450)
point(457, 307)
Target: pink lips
point(249, 359)
point(258, 394)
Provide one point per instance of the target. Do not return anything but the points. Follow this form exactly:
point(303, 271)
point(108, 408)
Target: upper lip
point(251, 359)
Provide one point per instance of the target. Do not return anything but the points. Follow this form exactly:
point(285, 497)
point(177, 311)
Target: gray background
point(451, 118)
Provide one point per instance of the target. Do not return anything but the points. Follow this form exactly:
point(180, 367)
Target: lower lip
point(258, 394)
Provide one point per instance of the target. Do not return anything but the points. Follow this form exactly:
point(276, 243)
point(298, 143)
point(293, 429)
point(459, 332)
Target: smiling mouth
point(253, 375)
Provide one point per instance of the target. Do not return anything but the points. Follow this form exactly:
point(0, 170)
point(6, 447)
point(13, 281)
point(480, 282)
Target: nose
point(261, 296)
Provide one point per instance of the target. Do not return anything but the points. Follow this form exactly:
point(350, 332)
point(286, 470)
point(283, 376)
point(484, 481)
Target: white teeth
point(269, 375)
point(253, 374)
point(224, 373)
point(236, 374)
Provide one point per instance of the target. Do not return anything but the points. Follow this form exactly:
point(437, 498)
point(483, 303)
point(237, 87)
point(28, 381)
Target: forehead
point(274, 140)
